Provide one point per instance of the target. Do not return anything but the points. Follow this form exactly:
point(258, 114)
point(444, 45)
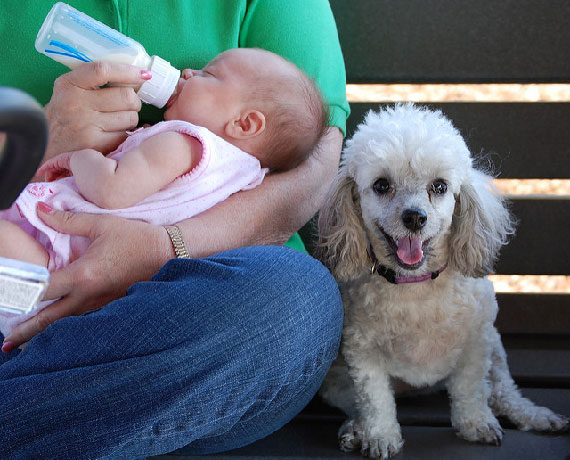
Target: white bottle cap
point(160, 87)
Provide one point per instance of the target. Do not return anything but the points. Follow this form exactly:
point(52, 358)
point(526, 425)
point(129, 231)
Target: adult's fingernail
point(7, 347)
point(45, 208)
point(146, 74)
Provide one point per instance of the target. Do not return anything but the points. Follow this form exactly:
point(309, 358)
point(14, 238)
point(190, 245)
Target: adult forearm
point(270, 213)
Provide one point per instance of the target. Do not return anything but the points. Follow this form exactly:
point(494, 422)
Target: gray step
point(426, 430)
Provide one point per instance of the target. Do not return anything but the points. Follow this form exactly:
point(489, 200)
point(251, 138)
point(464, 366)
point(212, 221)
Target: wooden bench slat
point(548, 368)
point(449, 41)
point(538, 247)
point(523, 140)
point(534, 313)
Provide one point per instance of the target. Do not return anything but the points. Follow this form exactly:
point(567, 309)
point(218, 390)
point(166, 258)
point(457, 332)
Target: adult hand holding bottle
point(82, 113)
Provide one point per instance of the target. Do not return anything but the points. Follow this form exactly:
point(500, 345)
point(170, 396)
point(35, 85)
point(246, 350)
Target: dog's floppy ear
point(481, 225)
point(342, 245)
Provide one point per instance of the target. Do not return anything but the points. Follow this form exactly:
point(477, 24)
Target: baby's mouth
point(172, 99)
point(408, 250)
point(175, 93)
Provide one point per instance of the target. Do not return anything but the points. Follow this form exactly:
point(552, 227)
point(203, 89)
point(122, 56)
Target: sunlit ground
point(512, 187)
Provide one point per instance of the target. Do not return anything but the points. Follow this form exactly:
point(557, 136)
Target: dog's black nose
point(414, 218)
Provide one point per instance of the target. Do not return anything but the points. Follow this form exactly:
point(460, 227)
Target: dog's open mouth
point(408, 250)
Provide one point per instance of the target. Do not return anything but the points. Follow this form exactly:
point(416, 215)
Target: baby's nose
point(188, 73)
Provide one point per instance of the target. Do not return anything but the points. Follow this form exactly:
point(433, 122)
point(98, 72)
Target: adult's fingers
point(108, 141)
point(67, 221)
point(113, 262)
point(96, 74)
point(60, 285)
point(112, 99)
point(36, 324)
point(116, 122)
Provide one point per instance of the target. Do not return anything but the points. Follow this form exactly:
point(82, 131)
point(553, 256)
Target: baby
point(246, 112)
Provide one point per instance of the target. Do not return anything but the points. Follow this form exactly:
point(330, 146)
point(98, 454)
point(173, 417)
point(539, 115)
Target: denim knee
point(285, 293)
point(301, 319)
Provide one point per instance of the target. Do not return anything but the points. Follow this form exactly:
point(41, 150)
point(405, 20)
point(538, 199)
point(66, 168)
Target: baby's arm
point(140, 172)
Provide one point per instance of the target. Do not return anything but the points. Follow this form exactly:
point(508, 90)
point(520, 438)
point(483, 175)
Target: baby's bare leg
point(15, 243)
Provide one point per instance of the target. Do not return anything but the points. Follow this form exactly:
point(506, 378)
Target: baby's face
point(212, 96)
point(217, 94)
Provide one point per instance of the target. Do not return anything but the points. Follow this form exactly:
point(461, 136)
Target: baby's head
point(257, 101)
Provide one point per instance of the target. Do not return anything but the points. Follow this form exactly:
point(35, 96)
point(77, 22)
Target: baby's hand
point(56, 167)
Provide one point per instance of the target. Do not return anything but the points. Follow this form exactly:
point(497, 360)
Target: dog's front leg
point(375, 428)
point(469, 391)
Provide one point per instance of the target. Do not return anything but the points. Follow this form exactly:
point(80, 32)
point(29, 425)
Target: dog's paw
point(382, 448)
point(352, 436)
point(539, 419)
point(486, 430)
point(349, 436)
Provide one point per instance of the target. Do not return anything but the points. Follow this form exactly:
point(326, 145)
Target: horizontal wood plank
point(542, 368)
point(521, 140)
point(540, 246)
point(449, 41)
point(533, 313)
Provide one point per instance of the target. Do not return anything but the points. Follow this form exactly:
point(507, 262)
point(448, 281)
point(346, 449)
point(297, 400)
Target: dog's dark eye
point(381, 186)
point(439, 186)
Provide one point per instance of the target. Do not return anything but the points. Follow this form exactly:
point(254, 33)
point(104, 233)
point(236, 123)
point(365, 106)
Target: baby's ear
point(249, 124)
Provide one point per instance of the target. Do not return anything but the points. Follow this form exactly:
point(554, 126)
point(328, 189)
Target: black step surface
point(304, 441)
point(313, 437)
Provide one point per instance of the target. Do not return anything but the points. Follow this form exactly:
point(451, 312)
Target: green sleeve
point(303, 31)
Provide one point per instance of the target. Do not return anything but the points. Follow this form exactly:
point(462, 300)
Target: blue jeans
point(211, 354)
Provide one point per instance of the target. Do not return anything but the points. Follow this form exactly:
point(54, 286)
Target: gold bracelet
point(177, 241)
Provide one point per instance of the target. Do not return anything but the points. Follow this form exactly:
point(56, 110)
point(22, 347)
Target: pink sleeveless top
point(223, 170)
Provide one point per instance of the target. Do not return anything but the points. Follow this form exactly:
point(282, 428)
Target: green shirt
point(188, 34)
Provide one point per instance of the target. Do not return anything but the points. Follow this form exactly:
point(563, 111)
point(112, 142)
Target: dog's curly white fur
point(407, 192)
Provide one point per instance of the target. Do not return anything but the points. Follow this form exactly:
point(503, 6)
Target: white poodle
point(410, 230)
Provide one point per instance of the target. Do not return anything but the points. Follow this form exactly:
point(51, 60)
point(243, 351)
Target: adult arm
point(271, 212)
point(115, 258)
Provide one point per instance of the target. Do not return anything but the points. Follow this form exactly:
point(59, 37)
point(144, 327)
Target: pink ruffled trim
point(204, 160)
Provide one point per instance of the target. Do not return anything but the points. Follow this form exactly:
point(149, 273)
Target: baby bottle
point(73, 38)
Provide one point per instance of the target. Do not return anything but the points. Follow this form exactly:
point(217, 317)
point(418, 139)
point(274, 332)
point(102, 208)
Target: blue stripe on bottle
point(71, 52)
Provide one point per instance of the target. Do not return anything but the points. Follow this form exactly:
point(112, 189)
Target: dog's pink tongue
point(410, 250)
